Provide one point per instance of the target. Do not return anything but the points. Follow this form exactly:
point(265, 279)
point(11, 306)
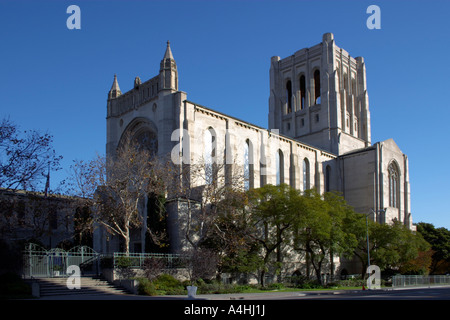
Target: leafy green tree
point(273, 212)
point(340, 241)
point(391, 246)
point(320, 231)
point(439, 239)
point(239, 251)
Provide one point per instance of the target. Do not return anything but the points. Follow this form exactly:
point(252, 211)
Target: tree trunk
point(262, 279)
point(127, 241)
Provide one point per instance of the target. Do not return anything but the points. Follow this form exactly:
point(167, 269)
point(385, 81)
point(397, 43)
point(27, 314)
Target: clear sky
point(56, 80)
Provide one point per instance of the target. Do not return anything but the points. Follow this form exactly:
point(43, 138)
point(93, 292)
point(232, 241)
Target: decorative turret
point(115, 90)
point(168, 71)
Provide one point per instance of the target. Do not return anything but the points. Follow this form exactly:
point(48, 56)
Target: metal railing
point(39, 262)
point(420, 281)
point(137, 260)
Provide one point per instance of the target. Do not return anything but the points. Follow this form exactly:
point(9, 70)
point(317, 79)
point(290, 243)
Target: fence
point(39, 262)
point(420, 281)
point(137, 260)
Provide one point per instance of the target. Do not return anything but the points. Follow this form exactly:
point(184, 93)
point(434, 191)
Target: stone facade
point(318, 137)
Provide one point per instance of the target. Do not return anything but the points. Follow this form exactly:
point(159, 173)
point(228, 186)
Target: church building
point(318, 135)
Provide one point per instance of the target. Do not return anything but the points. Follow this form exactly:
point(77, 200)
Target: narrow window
point(305, 174)
point(279, 162)
point(317, 87)
point(248, 165)
point(302, 91)
point(394, 191)
point(289, 96)
point(209, 143)
point(354, 87)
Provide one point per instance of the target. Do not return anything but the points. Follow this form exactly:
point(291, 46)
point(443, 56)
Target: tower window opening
point(302, 92)
point(317, 87)
point(289, 96)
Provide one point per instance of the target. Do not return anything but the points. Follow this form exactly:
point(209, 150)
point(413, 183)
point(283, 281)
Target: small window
point(288, 126)
point(302, 122)
point(317, 118)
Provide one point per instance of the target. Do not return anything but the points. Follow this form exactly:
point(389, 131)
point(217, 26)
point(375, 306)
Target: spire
point(115, 90)
point(168, 71)
point(168, 54)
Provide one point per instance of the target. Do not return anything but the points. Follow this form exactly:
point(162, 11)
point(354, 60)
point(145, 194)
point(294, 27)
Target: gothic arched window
point(209, 140)
point(279, 160)
point(305, 174)
point(248, 165)
point(394, 187)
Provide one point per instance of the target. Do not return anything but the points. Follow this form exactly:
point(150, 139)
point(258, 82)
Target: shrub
point(163, 284)
point(146, 287)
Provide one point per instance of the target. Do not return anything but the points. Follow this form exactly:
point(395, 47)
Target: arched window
point(394, 190)
point(302, 92)
point(289, 96)
point(279, 162)
point(248, 165)
point(327, 179)
point(305, 174)
point(209, 140)
point(317, 87)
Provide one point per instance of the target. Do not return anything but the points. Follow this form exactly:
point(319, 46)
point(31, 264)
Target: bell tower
point(318, 95)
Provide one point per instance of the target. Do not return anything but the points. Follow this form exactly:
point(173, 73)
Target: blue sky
point(56, 80)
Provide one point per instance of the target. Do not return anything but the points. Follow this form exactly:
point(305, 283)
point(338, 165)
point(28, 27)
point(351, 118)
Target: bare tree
point(131, 176)
point(118, 187)
point(206, 189)
point(25, 158)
